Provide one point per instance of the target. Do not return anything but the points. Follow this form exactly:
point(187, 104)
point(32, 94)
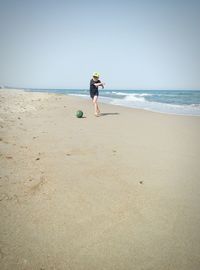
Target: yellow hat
point(96, 74)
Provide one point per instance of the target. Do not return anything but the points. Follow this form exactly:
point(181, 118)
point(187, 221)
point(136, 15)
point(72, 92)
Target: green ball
point(79, 114)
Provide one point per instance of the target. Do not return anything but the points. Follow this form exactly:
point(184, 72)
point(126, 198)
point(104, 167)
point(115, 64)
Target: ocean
point(182, 102)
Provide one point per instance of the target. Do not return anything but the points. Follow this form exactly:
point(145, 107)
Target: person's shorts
point(94, 93)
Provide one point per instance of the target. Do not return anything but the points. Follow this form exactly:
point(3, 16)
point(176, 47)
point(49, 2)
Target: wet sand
point(115, 192)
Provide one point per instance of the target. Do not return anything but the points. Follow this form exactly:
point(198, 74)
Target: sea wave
point(134, 97)
point(130, 94)
point(191, 109)
point(135, 100)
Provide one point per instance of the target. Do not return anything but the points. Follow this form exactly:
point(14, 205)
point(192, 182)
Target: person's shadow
point(105, 114)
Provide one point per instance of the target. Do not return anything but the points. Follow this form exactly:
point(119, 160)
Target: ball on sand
point(79, 114)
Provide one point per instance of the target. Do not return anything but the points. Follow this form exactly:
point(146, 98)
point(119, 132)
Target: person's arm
point(99, 84)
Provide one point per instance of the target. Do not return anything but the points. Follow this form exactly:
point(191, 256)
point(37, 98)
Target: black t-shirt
point(92, 86)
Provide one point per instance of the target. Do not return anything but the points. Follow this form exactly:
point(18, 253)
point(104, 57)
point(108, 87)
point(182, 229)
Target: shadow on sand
point(104, 114)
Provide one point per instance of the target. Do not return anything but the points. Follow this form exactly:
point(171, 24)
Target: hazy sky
point(133, 44)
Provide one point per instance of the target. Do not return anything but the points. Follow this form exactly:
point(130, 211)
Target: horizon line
point(127, 89)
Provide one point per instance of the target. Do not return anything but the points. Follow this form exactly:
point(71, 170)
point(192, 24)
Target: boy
point(94, 92)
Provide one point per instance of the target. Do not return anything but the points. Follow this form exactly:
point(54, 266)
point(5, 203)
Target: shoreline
point(98, 192)
point(100, 102)
point(103, 100)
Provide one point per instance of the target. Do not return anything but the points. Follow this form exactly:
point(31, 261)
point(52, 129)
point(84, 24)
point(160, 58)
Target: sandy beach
point(115, 192)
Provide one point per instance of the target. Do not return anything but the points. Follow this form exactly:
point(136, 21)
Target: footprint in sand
point(9, 157)
point(1, 254)
point(6, 197)
point(1, 140)
point(3, 197)
point(37, 187)
point(38, 158)
point(23, 146)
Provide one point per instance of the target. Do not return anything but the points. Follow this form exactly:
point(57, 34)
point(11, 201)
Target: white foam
point(119, 93)
point(145, 94)
point(131, 94)
point(134, 97)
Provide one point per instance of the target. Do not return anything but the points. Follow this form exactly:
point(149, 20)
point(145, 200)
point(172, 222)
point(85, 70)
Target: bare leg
point(96, 107)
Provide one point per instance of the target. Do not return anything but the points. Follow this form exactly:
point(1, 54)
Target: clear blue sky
point(133, 44)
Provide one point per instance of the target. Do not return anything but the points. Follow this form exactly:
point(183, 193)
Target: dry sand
point(120, 192)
